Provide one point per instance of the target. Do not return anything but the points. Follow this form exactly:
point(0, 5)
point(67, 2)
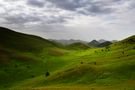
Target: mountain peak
point(94, 43)
point(102, 41)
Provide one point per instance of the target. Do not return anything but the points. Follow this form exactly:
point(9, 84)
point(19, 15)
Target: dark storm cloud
point(38, 3)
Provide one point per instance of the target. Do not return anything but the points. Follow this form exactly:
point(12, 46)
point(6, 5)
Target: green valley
point(25, 61)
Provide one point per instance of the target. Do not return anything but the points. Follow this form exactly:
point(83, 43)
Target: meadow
point(24, 66)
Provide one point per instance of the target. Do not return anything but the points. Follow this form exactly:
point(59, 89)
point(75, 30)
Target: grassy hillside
point(20, 56)
point(78, 46)
point(23, 42)
point(109, 68)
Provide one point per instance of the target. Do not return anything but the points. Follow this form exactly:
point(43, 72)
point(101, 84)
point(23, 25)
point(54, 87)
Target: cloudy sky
point(66, 19)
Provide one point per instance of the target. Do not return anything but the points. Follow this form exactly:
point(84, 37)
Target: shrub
point(16, 66)
point(81, 62)
point(47, 74)
point(95, 63)
point(107, 47)
point(28, 66)
point(32, 76)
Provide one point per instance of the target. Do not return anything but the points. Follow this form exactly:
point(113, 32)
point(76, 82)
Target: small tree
point(81, 62)
point(32, 76)
point(107, 47)
point(16, 66)
point(95, 63)
point(28, 66)
point(47, 74)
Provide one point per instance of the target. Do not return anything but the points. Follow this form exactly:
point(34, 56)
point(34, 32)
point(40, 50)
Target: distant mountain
point(104, 44)
point(94, 43)
point(102, 41)
point(68, 42)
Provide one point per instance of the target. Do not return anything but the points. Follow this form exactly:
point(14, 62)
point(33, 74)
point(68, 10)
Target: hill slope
point(21, 56)
point(25, 60)
point(112, 67)
point(78, 45)
point(23, 42)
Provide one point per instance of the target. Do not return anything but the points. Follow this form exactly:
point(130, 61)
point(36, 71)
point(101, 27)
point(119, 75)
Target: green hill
point(19, 41)
point(129, 40)
point(72, 68)
point(78, 45)
point(21, 56)
point(109, 68)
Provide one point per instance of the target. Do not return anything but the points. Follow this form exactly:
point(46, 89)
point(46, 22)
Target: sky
point(70, 19)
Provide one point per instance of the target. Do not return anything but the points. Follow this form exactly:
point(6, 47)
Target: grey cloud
point(56, 19)
point(34, 16)
point(88, 6)
point(20, 19)
point(66, 4)
point(11, 0)
point(132, 6)
point(99, 9)
point(24, 18)
point(38, 3)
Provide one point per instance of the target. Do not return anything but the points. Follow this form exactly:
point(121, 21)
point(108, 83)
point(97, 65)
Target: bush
point(107, 47)
point(81, 62)
point(47, 74)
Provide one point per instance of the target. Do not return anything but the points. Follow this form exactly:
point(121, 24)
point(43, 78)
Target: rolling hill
point(68, 42)
point(23, 42)
point(77, 46)
point(26, 60)
point(109, 68)
point(20, 56)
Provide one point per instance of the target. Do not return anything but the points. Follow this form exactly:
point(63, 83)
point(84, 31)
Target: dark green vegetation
point(27, 61)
